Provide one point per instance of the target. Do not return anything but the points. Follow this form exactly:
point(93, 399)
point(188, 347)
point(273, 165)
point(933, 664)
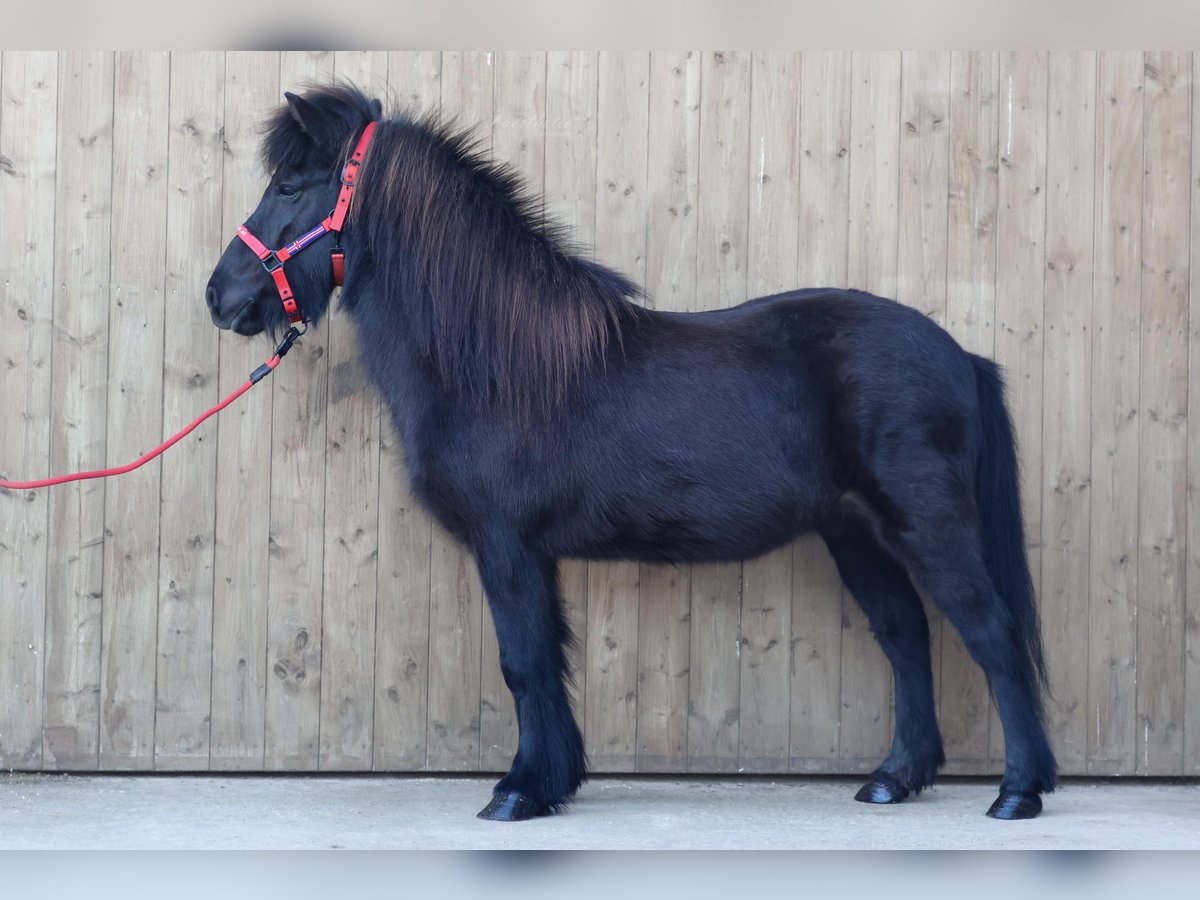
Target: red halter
point(273, 260)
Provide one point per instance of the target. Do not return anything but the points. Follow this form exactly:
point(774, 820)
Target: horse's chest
point(453, 487)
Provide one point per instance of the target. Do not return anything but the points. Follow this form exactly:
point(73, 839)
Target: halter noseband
point(273, 260)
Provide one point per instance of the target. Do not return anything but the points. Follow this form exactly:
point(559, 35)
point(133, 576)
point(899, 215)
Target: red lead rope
point(273, 263)
point(255, 377)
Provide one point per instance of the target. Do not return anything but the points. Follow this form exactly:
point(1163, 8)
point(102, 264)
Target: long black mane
point(510, 312)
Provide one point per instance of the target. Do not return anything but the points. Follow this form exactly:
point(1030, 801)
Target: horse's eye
point(288, 190)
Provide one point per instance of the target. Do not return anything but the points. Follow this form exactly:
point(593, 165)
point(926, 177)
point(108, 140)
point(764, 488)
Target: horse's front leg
point(522, 591)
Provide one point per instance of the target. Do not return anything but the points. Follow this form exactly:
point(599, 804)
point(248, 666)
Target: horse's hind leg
point(951, 570)
point(943, 553)
point(897, 619)
point(533, 635)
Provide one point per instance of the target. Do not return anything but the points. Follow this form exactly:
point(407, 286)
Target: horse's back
point(822, 388)
point(851, 346)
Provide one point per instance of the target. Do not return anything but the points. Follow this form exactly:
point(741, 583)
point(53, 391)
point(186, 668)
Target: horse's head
point(305, 146)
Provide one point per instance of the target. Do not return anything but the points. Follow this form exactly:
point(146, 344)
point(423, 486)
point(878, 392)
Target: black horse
point(546, 415)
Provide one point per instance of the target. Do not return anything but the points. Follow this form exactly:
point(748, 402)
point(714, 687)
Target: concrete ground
point(276, 813)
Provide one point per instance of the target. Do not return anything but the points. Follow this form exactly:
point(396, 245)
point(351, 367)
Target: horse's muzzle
point(242, 318)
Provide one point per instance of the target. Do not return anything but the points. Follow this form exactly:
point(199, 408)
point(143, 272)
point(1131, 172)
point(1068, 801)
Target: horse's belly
point(693, 523)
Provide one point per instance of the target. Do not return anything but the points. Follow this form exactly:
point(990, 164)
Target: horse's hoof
point(882, 788)
point(1013, 805)
point(510, 806)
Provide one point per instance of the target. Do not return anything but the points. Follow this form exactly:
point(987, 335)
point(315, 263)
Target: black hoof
point(882, 788)
point(1012, 805)
point(509, 806)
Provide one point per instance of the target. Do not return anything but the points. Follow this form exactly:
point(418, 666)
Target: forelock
point(284, 142)
point(342, 106)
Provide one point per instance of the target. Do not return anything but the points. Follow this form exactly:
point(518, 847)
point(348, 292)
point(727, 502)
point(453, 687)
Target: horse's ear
point(376, 109)
point(303, 112)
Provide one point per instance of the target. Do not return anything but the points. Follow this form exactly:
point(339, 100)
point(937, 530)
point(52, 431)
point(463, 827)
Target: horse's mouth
point(245, 321)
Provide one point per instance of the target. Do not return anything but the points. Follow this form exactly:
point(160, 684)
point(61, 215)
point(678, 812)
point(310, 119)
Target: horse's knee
point(526, 675)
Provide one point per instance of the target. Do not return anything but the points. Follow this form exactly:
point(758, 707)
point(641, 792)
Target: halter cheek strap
point(273, 260)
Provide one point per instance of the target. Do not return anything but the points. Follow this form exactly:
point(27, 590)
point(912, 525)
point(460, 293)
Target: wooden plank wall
point(270, 597)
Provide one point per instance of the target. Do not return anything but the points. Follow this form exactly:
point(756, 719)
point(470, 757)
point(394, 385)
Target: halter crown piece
point(273, 260)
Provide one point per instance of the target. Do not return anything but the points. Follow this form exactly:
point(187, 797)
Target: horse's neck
point(446, 283)
point(392, 359)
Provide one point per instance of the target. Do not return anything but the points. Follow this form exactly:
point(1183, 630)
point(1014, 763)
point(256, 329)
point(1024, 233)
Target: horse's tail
point(997, 491)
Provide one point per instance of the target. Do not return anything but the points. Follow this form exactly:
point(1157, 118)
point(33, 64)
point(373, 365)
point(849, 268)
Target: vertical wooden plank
point(1020, 284)
point(874, 172)
point(672, 186)
point(136, 322)
point(571, 197)
point(1191, 734)
point(722, 207)
point(190, 385)
point(1066, 458)
point(815, 679)
point(414, 81)
point(924, 212)
point(773, 240)
point(924, 182)
point(610, 703)
point(405, 530)
point(673, 180)
point(351, 522)
point(663, 666)
point(519, 140)
point(455, 595)
point(83, 203)
point(240, 557)
point(963, 698)
point(1116, 314)
point(1162, 431)
point(295, 581)
point(971, 202)
point(28, 136)
point(874, 192)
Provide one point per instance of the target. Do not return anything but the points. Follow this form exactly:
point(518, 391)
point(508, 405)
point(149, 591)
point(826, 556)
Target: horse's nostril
point(210, 297)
